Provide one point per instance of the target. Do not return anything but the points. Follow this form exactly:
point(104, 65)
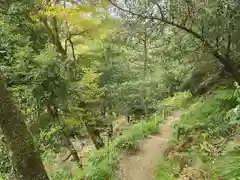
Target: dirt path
point(142, 165)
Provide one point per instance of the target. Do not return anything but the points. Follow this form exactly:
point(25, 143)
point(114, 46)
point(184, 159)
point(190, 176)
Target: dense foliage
point(75, 74)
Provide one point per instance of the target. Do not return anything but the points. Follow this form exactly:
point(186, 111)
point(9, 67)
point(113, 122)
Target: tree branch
point(57, 39)
point(79, 33)
point(217, 42)
point(65, 159)
point(54, 36)
point(50, 32)
point(229, 44)
point(172, 23)
point(227, 62)
point(161, 11)
point(230, 29)
point(73, 50)
point(65, 45)
point(70, 35)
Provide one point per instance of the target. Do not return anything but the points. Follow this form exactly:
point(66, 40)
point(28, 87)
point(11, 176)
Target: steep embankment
point(142, 165)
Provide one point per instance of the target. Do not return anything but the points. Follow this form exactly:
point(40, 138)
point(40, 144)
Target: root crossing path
point(143, 164)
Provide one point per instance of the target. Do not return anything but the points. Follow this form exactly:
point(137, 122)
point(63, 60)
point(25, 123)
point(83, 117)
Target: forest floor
point(143, 164)
point(119, 125)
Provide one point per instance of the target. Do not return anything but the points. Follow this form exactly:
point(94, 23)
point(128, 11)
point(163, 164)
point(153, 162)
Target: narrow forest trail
point(142, 165)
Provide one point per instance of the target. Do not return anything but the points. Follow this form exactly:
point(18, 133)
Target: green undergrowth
point(208, 114)
point(165, 171)
point(103, 164)
point(203, 138)
point(180, 100)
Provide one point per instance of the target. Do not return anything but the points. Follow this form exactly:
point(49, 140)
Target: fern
point(228, 166)
point(208, 115)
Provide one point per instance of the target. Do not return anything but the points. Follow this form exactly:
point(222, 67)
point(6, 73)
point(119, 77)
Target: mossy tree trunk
point(25, 157)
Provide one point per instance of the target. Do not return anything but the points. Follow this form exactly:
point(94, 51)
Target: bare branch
point(161, 11)
point(217, 42)
point(79, 33)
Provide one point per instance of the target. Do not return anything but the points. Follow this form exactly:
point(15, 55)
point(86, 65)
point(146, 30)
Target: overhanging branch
point(190, 31)
point(226, 61)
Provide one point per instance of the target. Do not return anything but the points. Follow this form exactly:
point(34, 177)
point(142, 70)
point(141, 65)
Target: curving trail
point(142, 165)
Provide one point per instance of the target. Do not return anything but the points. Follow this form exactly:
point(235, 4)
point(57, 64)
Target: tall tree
point(25, 157)
point(219, 37)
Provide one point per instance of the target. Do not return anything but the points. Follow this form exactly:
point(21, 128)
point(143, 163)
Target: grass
point(165, 171)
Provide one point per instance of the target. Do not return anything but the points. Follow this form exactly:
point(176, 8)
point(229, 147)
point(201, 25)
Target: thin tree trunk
point(109, 123)
point(25, 157)
point(110, 130)
point(94, 133)
point(145, 69)
point(72, 150)
point(52, 110)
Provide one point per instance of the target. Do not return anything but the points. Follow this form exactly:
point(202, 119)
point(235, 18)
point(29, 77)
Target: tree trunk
point(110, 130)
point(72, 150)
point(145, 42)
point(106, 116)
point(229, 65)
point(25, 157)
point(53, 111)
point(95, 136)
